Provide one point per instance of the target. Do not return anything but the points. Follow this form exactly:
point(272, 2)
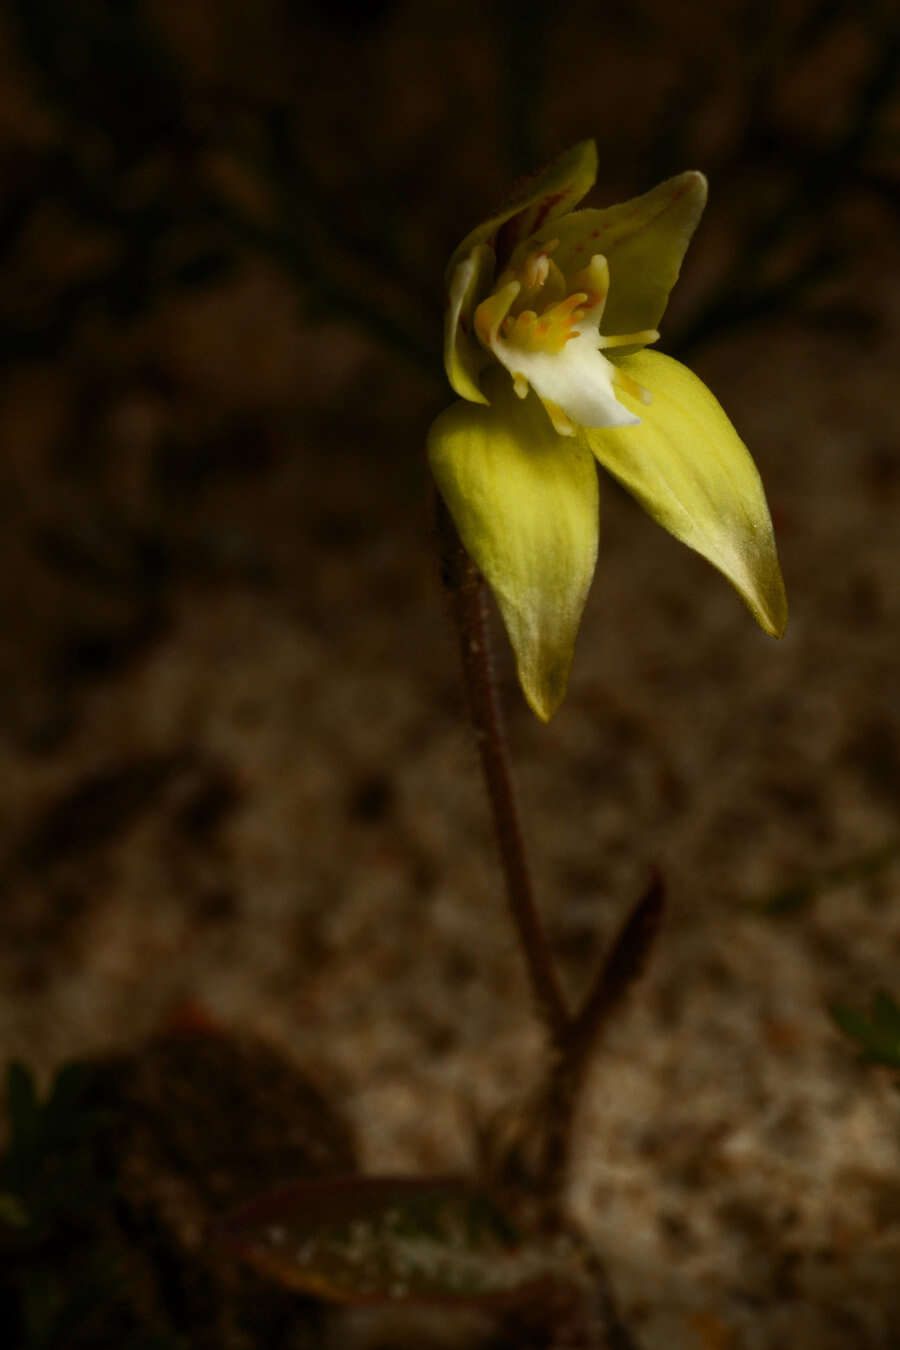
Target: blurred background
point(236, 774)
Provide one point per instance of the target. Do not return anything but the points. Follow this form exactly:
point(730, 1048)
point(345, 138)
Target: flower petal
point(690, 471)
point(464, 357)
point(525, 503)
point(577, 380)
point(643, 240)
point(550, 193)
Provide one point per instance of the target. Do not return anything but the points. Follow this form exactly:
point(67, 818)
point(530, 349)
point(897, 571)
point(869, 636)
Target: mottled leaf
point(385, 1239)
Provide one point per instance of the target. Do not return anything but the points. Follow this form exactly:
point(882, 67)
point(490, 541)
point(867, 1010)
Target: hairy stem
point(468, 600)
point(543, 1151)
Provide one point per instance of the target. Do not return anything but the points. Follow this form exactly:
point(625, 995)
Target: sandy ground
point(236, 771)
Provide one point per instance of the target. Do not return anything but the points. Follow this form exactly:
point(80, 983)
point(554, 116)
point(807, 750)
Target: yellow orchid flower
point(549, 313)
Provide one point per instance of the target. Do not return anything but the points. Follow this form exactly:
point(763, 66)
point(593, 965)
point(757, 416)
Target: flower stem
point(468, 600)
point(561, 1091)
point(543, 1150)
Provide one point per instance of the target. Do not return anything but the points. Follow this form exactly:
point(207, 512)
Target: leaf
point(790, 898)
point(886, 1015)
point(391, 1239)
point(21, 1107)
point(13, 1213)
point(878, 1034)
point(66, 1107)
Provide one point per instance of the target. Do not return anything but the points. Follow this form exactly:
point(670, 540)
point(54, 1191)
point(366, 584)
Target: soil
point(236, 770)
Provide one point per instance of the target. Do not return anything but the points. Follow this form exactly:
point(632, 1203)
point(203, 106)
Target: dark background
point(235, 767)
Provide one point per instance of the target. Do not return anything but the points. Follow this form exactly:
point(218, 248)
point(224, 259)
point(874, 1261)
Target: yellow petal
point(690, 471)
point(525, 503)
point(550, 193)
point(643, 240)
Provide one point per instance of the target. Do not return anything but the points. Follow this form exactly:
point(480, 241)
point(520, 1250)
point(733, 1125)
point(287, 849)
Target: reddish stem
point(468, 599)
point(572, 1037)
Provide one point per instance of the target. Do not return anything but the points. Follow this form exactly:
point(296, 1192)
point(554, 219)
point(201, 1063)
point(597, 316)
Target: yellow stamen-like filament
point(562, 424)
point(594, 280)
point(535, 310)
point(631, 386)
point(536, 271)
point(537, 276)
point(642, 339)
point(547, 332)
point(491, 313)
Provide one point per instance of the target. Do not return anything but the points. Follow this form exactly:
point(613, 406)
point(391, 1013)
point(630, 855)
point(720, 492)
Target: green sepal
point(525, 503)
point(691, 472)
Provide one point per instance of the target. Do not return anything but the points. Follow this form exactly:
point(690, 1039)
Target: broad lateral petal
point(525, 503)
point(691, 472)
point(550, 193)
point(644, 242)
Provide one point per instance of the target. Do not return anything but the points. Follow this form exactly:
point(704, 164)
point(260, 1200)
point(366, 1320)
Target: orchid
point(550, 312)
